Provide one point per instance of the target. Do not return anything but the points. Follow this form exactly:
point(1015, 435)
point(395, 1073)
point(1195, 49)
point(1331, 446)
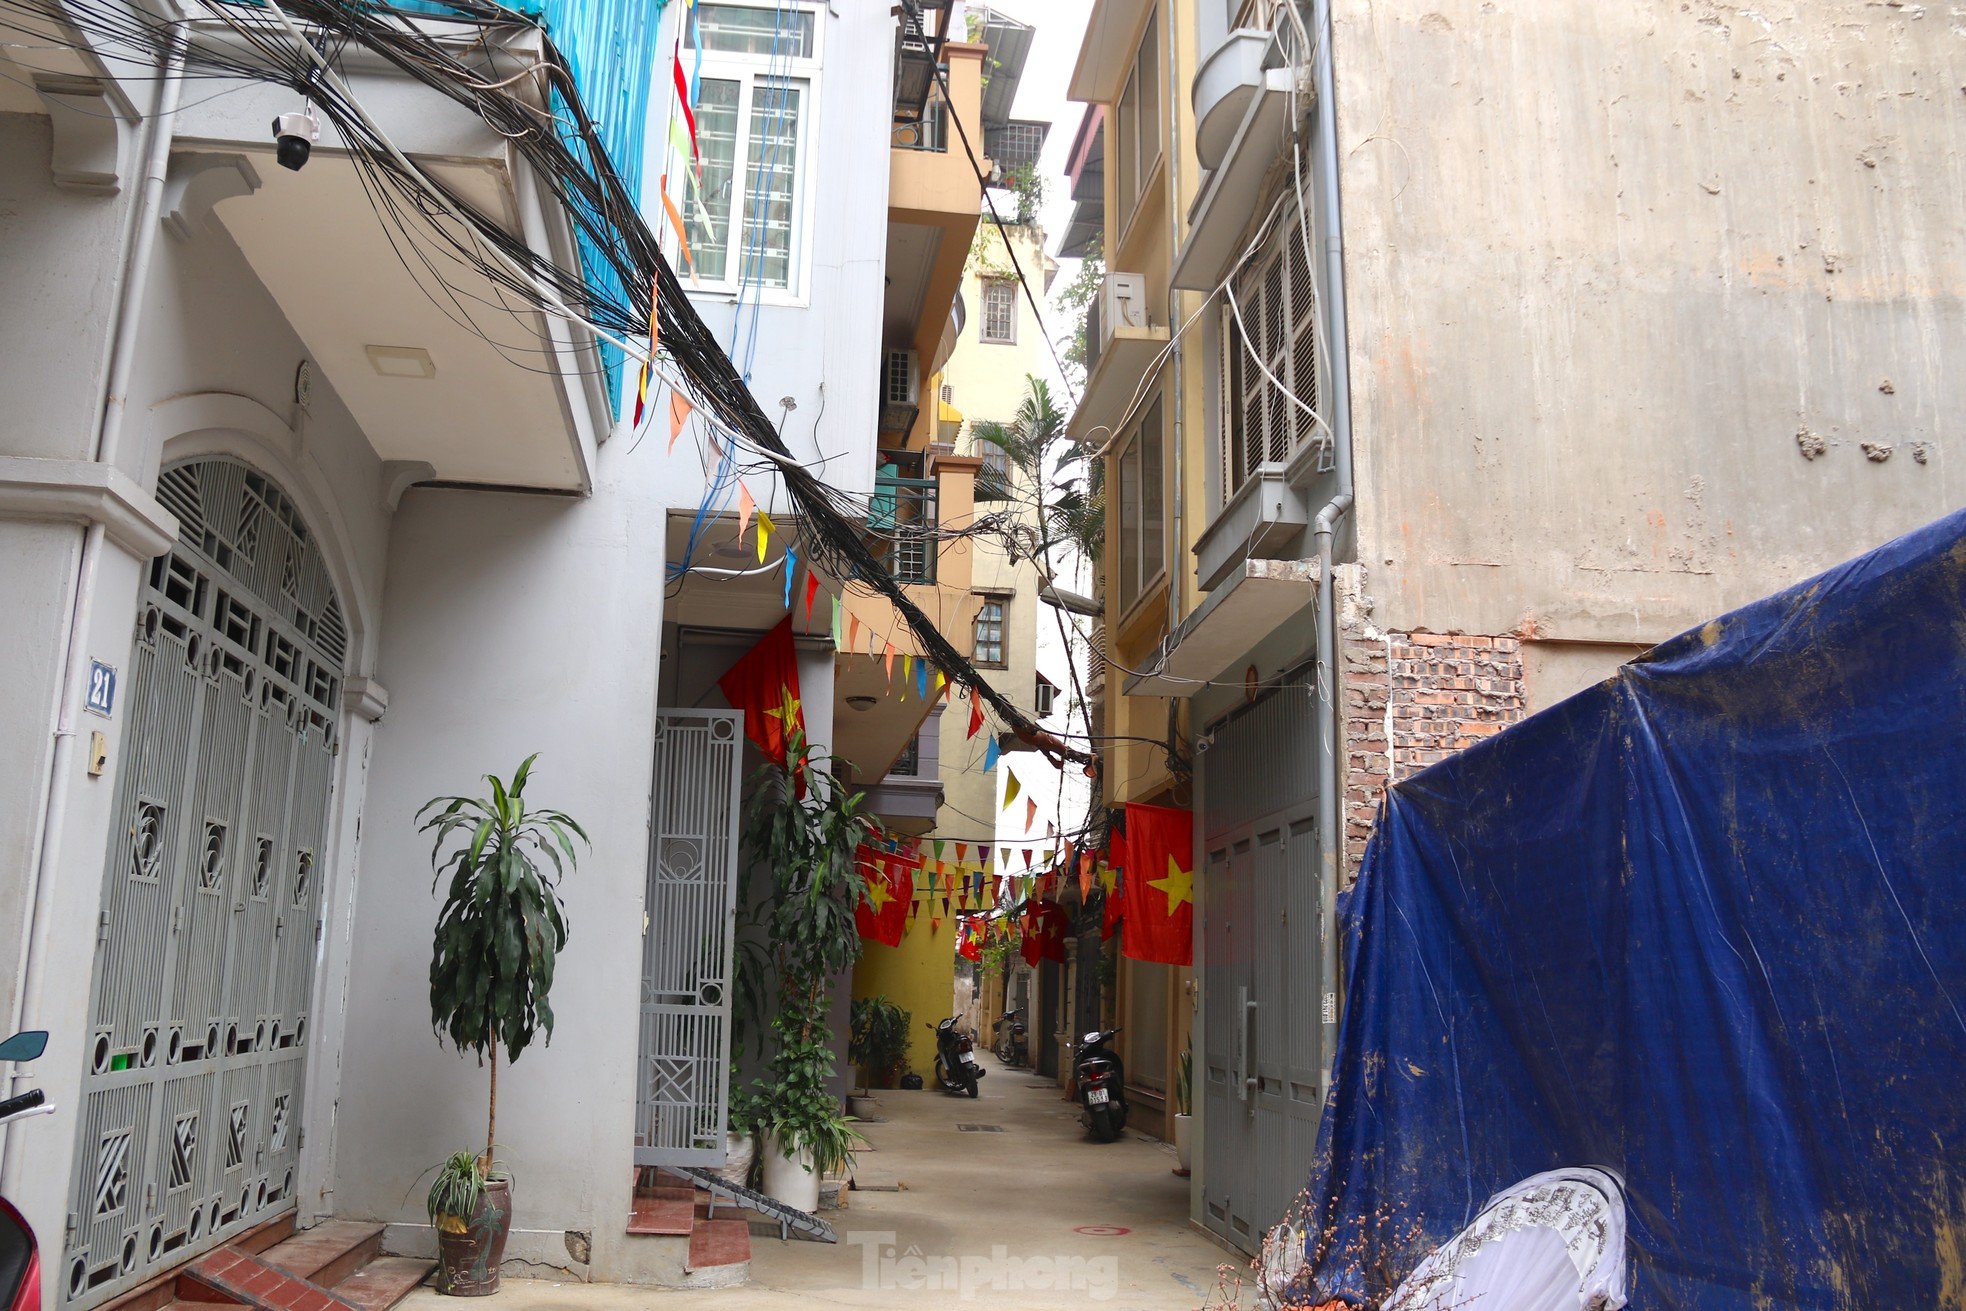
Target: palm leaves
point(1072, 510)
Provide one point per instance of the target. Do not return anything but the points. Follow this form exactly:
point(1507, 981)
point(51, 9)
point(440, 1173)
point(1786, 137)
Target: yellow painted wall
point(919, 976)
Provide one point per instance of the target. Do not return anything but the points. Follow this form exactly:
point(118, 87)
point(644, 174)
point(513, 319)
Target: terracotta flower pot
point(469, 1254)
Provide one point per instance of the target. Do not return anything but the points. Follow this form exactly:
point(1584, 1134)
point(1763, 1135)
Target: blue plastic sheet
point(1703, 925)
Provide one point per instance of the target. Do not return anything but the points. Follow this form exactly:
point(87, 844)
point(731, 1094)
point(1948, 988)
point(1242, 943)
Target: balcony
point(1242, 112)
point(1117, 357)
point(907, 797)
point(902, 517)
point(1223, 87)
point(934, 196)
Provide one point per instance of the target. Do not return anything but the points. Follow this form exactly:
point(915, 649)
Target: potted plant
point(878, 1041)
point(1184, 1082)
point(740, 1139)
point(499, 932)
point(806, 827)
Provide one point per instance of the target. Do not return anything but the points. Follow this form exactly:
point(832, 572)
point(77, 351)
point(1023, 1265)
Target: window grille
point(988, 648)
point(1000, 311)
point(1270, 354)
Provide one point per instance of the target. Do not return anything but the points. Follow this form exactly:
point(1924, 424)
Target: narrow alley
point(1023, 1210)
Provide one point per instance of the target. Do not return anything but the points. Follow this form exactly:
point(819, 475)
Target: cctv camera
point(294, 136)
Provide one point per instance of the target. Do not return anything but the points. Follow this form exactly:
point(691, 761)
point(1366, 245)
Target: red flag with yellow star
point(1159, 885)
point(764, 684)
point(882, 912)
point(1046, 926)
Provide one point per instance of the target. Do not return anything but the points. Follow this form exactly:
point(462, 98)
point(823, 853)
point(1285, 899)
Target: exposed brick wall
point(1409, 700)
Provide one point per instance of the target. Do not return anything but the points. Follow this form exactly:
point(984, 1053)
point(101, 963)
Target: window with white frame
point(1269, 370)
point(988, 647)
point(1136, 128)
point(745, 209)
point(1000, 311)
point(1141, 522)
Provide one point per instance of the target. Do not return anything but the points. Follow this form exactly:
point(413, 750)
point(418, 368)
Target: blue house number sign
point(102, 689)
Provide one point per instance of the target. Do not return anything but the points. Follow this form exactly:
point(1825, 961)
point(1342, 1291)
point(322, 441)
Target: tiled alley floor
point(1033, 1217)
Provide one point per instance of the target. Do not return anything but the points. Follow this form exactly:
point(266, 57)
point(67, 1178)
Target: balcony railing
point(903, 517)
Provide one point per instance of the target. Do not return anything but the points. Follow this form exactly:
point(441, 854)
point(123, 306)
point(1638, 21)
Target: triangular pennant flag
point(990, 753)
point(746, 507)
point(679, 411)
point(791, 567)
point(853, 632)
point(983, 853)
point(812, 590)
point(1030, 813)
point(676, 225)
point(939, 847)
point(1011, 788)
point(941, 681)
point(764, 532)
point(962, 851)
point(1085, 884)
point(890, 659)
point(921, 678)
point(975, 715)
point(1027, 858)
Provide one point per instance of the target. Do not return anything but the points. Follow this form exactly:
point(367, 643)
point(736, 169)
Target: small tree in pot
point(498, 935)
point(878, 1042)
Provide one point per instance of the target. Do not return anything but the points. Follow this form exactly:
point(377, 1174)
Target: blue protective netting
point(1699, 925)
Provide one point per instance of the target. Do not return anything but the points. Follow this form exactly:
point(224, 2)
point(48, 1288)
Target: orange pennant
point(679, 411)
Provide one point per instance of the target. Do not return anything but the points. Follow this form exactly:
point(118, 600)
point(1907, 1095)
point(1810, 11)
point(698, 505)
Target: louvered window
point(1270, 356)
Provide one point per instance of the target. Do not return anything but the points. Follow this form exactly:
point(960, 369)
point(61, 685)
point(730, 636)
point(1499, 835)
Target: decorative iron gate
point(204, 966)
point(688, 938)
point(1261, 923)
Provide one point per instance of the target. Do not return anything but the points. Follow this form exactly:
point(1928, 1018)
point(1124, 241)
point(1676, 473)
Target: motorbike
point(1101, 1082)
point(20, 1257)
point(1012, 1046)
point(956, 1068)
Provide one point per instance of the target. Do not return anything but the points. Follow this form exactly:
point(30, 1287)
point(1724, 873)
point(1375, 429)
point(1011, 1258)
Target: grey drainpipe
point(1324, 527)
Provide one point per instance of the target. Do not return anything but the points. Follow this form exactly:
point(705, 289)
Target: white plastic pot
point(739, 1151)
point(791, 1179)
point(1183, 1152)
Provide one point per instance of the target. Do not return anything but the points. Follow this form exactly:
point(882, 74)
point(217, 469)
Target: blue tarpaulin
point(1702, 925)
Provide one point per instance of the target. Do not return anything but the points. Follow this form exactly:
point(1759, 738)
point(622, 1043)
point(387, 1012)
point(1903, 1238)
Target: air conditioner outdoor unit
point(1121, 303)
point(901, 379)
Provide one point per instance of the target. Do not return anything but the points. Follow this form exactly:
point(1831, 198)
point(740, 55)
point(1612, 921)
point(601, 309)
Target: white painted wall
point(823, 353)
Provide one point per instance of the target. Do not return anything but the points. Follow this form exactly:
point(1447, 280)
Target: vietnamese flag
point(764, 684)
point(1159, 885)
point(1045, 929)
point(881, 914)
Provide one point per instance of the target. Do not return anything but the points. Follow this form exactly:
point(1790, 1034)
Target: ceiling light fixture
point(401, 361)
point(861, 701)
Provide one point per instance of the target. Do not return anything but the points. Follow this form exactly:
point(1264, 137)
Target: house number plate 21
point(102, 689)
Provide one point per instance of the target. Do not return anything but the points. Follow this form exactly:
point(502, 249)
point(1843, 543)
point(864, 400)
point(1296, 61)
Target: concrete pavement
point(1032, 1217)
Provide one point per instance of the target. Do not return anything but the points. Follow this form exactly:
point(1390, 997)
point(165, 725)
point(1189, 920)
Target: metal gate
point(1261, 925)
point(688, 937)
point(204, 965)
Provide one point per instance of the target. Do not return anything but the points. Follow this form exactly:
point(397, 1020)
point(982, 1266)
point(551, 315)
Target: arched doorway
point(211, 888)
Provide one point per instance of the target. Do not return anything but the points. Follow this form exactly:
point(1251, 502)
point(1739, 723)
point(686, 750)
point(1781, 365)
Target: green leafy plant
point(454, 1193)
point(806, 826)
point(1184, 1081)
point(878, 1038)
point(502, 923)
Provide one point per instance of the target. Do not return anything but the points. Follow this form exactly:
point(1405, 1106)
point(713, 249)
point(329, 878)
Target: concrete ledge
point(82, 491)
point(1258, 598)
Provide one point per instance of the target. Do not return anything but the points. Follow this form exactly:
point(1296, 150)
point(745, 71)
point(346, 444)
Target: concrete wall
point(1652, 308)
point(514, 624)
point(822, 351)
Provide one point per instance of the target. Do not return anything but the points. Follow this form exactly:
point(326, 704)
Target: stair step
point(718, 1243)
point(329, 1252)
point(250, 1281)
point(662, 1215)
point(383, 1282)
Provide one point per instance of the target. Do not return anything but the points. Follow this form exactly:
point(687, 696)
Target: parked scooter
point(956, 1068)
point(1012, 1040)
point(1102, 1086)
point(20, 1258)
